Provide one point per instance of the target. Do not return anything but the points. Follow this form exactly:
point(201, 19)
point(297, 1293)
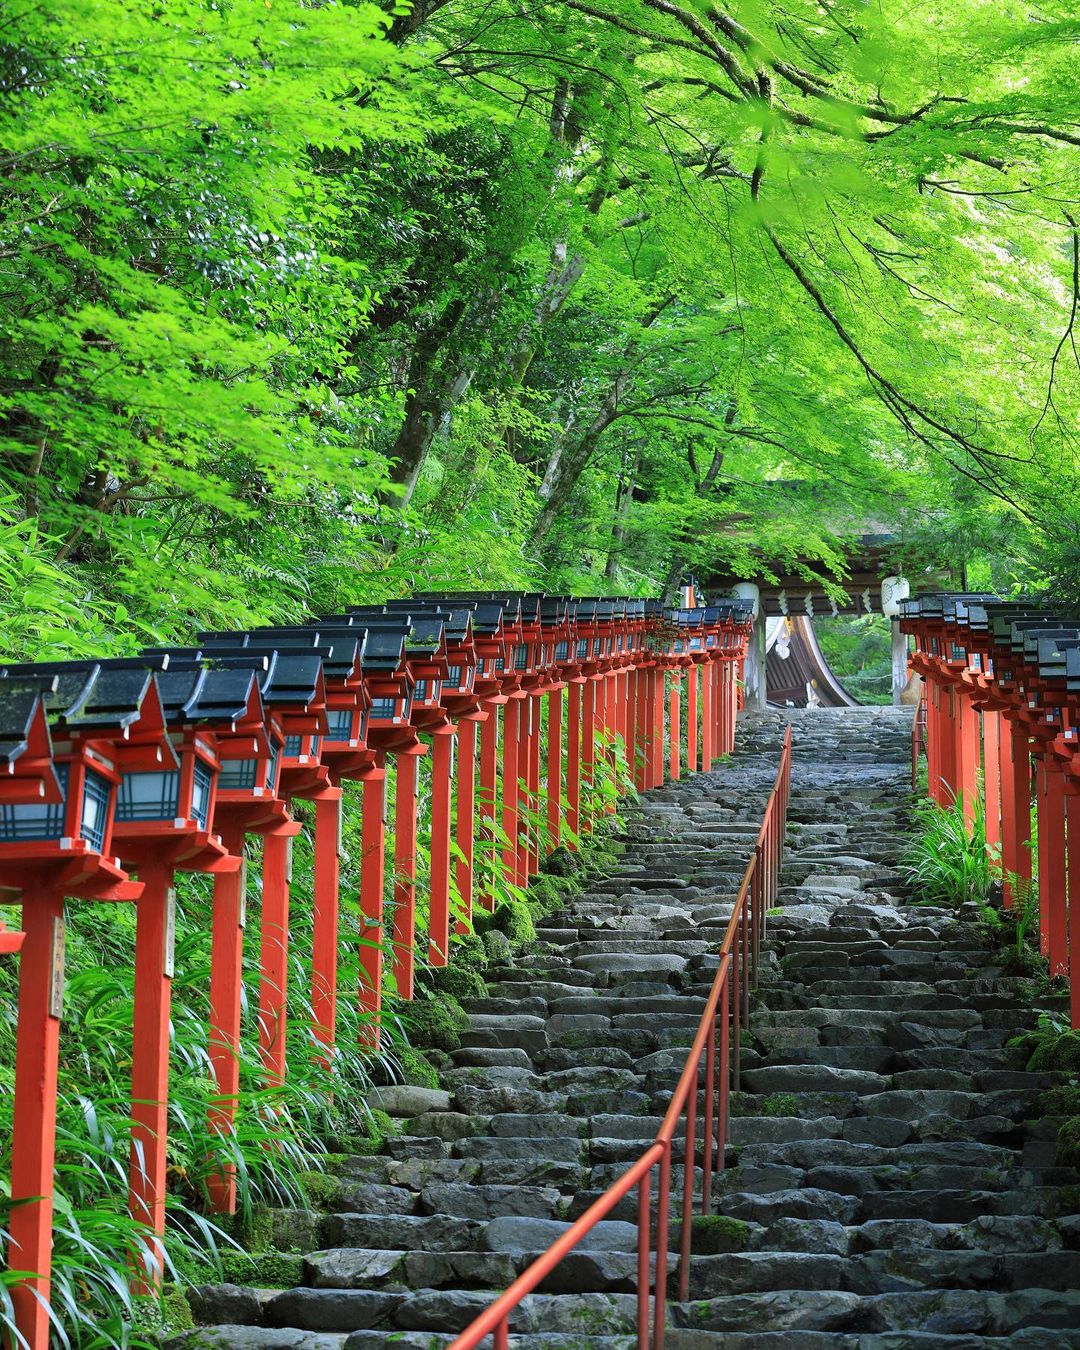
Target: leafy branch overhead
point(308, 303)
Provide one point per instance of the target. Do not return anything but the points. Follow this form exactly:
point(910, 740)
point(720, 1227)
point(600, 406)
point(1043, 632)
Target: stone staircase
point(888, 1182)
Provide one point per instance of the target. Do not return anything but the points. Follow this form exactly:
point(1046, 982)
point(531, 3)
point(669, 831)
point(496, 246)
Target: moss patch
point(263, 1270)
point(780, 1104)
point(320, 1188)
point(713, 1234)
point(435, 1024)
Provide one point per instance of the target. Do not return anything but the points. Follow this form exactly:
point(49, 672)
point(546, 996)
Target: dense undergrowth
point(949, 863)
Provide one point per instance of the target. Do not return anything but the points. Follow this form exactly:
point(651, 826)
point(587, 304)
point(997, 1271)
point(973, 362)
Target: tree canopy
point(306, 303)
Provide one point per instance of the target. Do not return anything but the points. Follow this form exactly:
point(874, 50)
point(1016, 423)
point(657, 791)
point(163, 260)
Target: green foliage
point(947, 861)
point(859, 653)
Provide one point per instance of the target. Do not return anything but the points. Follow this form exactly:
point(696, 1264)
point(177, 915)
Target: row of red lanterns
point(1002, 717)
point(169, 761)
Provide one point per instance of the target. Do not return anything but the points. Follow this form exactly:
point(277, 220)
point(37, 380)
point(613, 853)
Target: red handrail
point(721, 1019)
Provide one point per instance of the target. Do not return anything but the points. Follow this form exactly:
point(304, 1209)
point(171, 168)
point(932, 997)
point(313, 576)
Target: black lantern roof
point(88, 694)
point(205, 694)
point(21, 709)
point(339, 655)
point(385, 647)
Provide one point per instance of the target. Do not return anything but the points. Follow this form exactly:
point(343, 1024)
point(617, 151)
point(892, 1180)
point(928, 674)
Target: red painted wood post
point(719, 707)
point(154, 932)
point(609, 722)
point(274, 960)
point(554, 769)
point(573, 762)
point(1072, 811)
point(642, 704)
point(521, 850)
point(674, 715)
point(692, 719)
point(511, 738)
point(706, 716)
point(967, 781)
point(33, 1135)
point(324, 919)
point(372, 893)
point(404, 940)
point(950, 734)
point(588, 750)
point(991, 722)
point(536, 852)
point(226, 988)
point(658, 744)
point(489, 800)
point(933, 738)
point(442, 755)
point(1053, 920)
point(1016, 804)
point(466, 817)
point(1058, 942)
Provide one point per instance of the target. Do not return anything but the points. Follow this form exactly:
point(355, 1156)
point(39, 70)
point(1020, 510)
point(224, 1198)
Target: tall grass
point(947, 861)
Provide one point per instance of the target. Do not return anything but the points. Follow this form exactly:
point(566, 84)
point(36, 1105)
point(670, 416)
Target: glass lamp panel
point(271, 767)
point(36, 820)
point(202, 781)
point(149, 796)
point(238, 774)
point(95, 809)
point(340, 721)
point(293, 746)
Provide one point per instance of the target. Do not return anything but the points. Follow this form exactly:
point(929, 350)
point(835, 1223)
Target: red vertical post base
point(521, 838)
point(226, 965)
point(656, 758)
point(404, 941)
point(573, 763)
point(640, 732)
point(154, 929)
point(554, 769)
point(489, 801)
point(33, 1139)
point(692, 719)
point(539, 808)
point(969, 750)
point(324, 925)
point(1015, 808)
point(442, 747)
point(707, 716)
point(991, 722)
point(274, 972)
point(588, 751)
point(1072, 815)
point(675, 714)
point(510, 747)
point(1052, 870)
point(372, 889)
point(465, 820)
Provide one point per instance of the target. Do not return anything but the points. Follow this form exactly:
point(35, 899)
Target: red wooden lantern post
point(491, 651)
point(390, 731)
point(248, 742)
point(56, 843)
point(563, 638)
